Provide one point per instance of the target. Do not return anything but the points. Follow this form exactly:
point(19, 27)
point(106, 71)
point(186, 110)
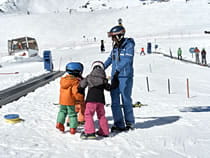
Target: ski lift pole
point(150, 68)
point(169, 91)
point(188, 91)
point(147, 83)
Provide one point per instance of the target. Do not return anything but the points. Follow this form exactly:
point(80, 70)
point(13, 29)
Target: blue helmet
point(74, 68)
point(117, 31)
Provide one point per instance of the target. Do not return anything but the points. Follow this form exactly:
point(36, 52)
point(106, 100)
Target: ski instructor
point(121, 59)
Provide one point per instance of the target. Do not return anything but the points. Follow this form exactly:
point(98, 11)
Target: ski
point(135, 105)
point(139, 104)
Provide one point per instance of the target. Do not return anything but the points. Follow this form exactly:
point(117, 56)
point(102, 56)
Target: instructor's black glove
point(115, 80)
point(81, 90)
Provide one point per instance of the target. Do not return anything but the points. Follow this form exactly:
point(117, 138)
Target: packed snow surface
point(171, 125)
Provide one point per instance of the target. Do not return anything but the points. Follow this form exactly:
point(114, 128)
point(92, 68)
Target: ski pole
point(150, 68)
point(60, 63)
point(169, 91)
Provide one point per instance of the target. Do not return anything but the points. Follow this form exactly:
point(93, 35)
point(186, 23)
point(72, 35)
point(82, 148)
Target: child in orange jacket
point(69, 96)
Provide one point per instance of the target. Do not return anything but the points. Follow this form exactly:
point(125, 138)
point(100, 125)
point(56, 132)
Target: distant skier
point(156, 47)
point(197, 59)
point(179, 53)
point(142, 51)
point(120, 22)
point(96, 82)
point(69, 96)
point(203, 55)
point(70, 11)
point(102, 46)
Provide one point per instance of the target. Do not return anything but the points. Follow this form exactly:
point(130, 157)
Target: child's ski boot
point(73, 130)
point(60, 127)
point(86, 136)
point(102, 135)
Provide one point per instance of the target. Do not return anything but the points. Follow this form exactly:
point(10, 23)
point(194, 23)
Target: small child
point(96, 82)
point(69, 96)
point(142, 51)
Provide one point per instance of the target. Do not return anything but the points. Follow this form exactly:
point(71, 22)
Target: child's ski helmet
point(98, 63)
point(74, 68)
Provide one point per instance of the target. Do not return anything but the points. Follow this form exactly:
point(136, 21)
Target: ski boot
point(86, 136)
point(60, 127)
point(129, 127)
point(116, 129)
point(73, 130)
point(102, 135)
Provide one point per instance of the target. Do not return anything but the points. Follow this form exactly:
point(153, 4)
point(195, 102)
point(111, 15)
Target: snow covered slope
point(44, 6)
point(172, 125)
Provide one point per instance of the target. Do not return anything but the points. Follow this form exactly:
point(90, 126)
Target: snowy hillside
point(170, 126)
point(146, 22)
point(40, 6)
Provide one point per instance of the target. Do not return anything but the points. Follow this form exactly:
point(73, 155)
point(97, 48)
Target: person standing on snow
point(70, 96)
point(102, 46)
point(142, 51)
point(96, 82)
point(203, 55)
point(179, 53)
point(197, 51)
point(121, 59)
point(120, 22)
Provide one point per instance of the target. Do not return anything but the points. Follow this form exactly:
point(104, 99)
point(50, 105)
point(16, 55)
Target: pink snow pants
point(91, 108)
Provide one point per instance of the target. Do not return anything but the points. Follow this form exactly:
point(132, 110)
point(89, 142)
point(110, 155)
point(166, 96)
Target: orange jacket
point(68, 91)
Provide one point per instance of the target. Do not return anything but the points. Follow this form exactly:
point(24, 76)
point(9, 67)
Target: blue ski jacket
point(122, 59)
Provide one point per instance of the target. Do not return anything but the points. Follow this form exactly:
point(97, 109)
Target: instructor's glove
point(81, 90)
point(115, 80)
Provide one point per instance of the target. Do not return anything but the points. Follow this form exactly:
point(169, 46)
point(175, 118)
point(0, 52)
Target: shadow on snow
point(196, 109)
point(157, 121)
point(154, 121)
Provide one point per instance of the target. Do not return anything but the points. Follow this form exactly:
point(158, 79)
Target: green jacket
point(179, 52)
